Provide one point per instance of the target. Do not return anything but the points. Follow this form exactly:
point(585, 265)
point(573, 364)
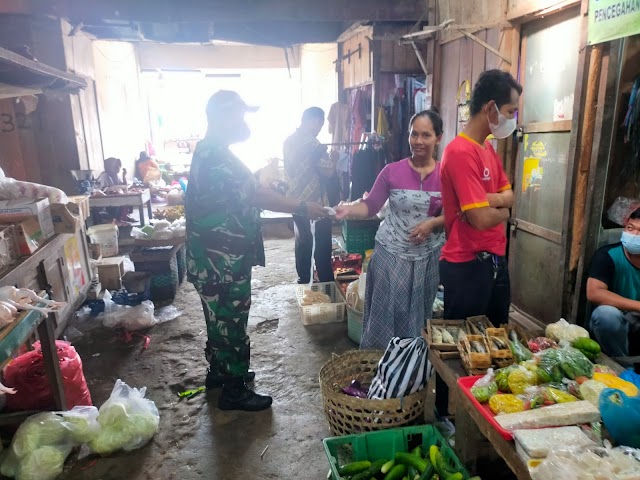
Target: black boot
point(216, 380)
point(236, 395)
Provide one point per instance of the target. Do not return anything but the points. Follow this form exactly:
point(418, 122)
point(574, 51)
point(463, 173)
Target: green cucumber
point(354, 467)
point(417, 451)
point(411, 460)
point(396, 473)
point(376, 467)
point(386, 468)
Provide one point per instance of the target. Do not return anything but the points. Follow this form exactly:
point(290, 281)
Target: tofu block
point(571, 413)
point(538, 442)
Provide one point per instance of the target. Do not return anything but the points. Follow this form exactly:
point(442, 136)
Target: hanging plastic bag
point(621, 209)
point(403, 369)
point(127, 420)
point(26, 373)
point(485, 387)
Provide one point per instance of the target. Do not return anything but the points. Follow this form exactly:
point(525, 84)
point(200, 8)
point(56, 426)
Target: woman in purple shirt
point(402, 279)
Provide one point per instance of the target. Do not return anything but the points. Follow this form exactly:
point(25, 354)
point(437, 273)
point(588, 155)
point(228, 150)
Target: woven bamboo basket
point(348, 415)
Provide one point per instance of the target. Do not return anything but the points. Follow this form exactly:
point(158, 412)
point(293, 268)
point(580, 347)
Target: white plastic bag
point(589, 463)
point(621, 209)
point(11, 189)
point(168, 313)
point(42, 443)
point(129, 318)
point(127, 421)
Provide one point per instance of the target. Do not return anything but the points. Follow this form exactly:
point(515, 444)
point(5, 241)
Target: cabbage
point(9, 464)
point(563, 330)
point(39, 430)
point(44, 463)
point(122, 430)
point(82, 423)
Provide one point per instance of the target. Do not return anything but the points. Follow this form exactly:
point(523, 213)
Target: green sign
point(612, 19)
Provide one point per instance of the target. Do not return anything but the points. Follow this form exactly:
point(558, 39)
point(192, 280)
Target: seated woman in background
point(147, 169)
point(109, 182)
point(402, 278)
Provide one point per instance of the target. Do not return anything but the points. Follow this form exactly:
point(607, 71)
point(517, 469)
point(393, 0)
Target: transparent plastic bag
point(589, 463)
point(565, 362)
point(502, 378)
point(506, 403)
point(621, 208)
point(520, 379)
point(168, 313)
point(127, 421)
point(130, 318)
point(42, 443)
point(485, 387)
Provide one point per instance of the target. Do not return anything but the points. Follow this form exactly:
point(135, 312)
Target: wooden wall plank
point(448, 88)
point(493, 38)
point(478, 57)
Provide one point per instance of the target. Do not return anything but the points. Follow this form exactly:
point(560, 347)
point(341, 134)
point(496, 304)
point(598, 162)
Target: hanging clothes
point(382, 125)
point(366, 165)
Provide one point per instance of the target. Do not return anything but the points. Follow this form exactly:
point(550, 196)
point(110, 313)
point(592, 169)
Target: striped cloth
point(399, 296)
point(404, 369)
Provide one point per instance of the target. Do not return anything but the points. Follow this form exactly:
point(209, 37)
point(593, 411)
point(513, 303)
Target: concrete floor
point(196, 440)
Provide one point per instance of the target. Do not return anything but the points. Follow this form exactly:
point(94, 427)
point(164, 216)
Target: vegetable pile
point(161, 230)
point(412, 466)
point(43, 442)
point(550, 376)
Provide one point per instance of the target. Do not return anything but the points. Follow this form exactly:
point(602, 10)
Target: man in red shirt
point(476, 196)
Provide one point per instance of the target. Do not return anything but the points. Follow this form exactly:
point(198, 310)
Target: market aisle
point(196, 440)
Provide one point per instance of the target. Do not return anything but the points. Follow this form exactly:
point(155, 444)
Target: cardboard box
point(9, 250)
point(66, 218)
point(83, 205)
point(29, 235)
point(110, 272)
point(15, 211)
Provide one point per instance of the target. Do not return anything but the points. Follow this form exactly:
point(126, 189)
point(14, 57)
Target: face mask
point(631, 243)
point(505, 126)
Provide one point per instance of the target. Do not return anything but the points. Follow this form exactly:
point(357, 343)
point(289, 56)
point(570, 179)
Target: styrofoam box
point(322, 312)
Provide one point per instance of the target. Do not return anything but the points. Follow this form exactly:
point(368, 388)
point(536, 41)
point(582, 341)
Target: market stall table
point(135, 200)
point(17, 334)
point(471, 426)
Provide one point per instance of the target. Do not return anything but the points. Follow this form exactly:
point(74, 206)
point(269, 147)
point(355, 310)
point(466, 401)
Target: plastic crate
point(385, 444)
point(162, 264)
point(359, 235)
point(322, 312)
point(181, 257)
point(354, 324)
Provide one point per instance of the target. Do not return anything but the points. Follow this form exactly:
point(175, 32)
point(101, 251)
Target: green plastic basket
point(359, 235)
point(385, 444)
point(354, 324)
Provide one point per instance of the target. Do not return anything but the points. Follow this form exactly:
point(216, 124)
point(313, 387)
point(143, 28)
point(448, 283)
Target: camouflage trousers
point(226, 311)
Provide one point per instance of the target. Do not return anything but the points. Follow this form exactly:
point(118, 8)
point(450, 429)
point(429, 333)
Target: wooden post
point(584, 160)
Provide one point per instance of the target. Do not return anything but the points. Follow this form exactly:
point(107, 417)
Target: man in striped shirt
point(308, 167)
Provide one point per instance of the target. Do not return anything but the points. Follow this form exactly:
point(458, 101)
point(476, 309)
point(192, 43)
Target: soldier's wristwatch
point(302, 209)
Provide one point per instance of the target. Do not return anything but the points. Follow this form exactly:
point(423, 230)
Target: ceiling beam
point(220, 10)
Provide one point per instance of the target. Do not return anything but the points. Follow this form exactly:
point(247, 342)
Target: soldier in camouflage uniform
point(224, 242)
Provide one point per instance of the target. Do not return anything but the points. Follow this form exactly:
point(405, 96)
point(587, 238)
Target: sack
point(403, 369)
point(621, 415)
point(26, 373)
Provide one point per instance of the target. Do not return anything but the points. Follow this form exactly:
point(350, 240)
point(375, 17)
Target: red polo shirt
point(469, 171)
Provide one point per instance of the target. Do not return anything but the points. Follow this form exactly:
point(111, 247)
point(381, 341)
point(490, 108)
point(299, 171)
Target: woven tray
point(348, 415)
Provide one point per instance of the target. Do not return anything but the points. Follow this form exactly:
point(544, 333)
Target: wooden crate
point(496, 353)
point(443, 347)
point(472, 323)
point(523, 335)
point(110, 272)
point(474, 360)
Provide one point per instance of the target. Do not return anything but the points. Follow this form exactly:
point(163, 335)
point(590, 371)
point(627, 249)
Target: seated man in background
point(613, 287)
